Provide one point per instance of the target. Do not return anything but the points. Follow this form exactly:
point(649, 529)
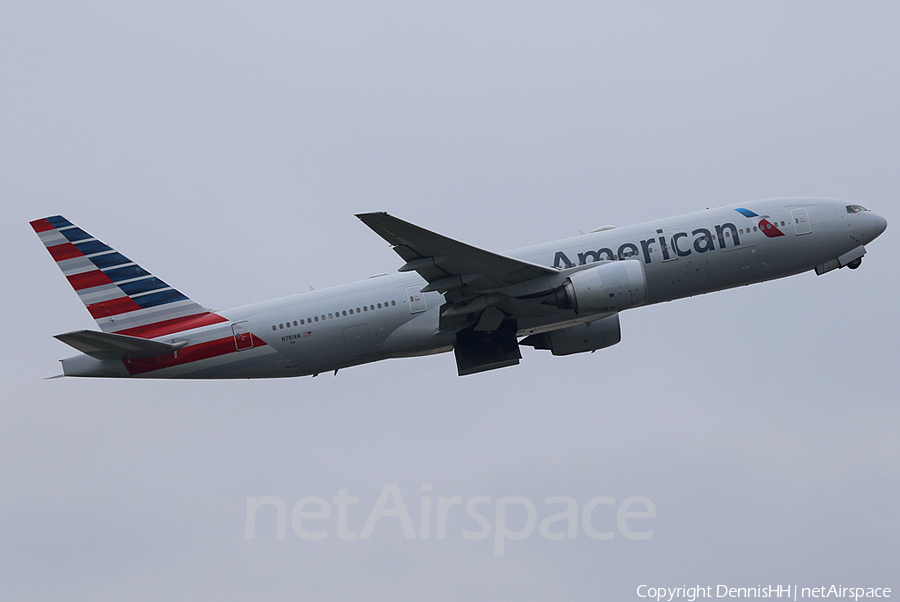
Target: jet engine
point(577, 339)
point(608, 287)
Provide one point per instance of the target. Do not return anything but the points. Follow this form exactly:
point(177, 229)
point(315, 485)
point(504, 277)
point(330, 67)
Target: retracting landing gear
point(479, 351)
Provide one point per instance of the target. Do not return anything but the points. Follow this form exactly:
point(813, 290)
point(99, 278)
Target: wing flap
point(108, 346)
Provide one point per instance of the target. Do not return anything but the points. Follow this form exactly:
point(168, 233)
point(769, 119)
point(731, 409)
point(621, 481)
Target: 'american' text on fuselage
point(672, 247)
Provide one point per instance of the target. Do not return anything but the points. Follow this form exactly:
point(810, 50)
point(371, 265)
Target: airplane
point(563, 296)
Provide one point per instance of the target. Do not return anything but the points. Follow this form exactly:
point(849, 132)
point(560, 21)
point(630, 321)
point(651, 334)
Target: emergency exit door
point(801, 221)
point(242, 337)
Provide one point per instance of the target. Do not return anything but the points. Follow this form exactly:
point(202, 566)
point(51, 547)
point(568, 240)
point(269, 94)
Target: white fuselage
point(387, 316)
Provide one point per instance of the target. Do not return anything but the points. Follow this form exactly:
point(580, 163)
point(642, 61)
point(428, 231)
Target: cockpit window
point(855, 208)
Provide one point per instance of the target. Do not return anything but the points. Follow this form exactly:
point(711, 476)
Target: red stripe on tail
point(64, 251)
point(113, 307)
point(41, 225)
point(159, 329)
point(88, 280)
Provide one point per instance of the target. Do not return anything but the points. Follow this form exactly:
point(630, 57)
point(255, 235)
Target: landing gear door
point(242, 337)
point(416, 299)
point(801, 221)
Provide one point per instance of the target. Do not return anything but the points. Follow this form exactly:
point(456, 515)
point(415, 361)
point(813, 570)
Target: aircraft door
point(242, 336)
point(416, 299)
point(801, 221)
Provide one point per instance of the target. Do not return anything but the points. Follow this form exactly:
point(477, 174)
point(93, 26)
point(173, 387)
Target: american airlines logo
point(765, 226)
point(673, 245)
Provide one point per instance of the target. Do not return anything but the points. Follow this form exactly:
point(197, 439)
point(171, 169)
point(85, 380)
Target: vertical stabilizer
point(121, 296)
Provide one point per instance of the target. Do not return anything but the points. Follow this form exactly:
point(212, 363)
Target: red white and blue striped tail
point(122, 297)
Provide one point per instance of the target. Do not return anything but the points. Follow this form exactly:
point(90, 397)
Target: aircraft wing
point(449, 265)
point(106, 345)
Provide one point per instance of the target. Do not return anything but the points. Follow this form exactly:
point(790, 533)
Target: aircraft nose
point(880, 225)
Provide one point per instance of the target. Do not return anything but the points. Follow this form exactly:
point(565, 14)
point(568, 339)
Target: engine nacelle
point(612, 286)
point(577, 339)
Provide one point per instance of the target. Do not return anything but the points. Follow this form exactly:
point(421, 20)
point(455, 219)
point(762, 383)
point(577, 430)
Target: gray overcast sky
point(226, 148)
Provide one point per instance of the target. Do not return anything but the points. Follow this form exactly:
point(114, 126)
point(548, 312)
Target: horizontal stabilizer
point(108, 346)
